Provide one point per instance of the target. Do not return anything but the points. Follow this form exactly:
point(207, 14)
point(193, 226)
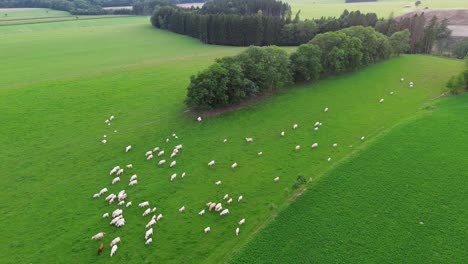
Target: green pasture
point(402, 200)
point(60, 81)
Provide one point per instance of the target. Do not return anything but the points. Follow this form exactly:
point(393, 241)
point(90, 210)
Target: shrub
point(301, 180)
point(461, 50)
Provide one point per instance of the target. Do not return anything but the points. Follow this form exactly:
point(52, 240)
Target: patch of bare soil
point(454, 16)
point(459, 30)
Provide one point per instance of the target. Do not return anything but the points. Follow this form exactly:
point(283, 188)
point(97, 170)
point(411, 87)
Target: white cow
point(242, 221)
point(202, 212)
point(218, 183)
point(182, 209)
point(161, 162)
point(229, 201)
point(226, 196)
point(402, 80)
point(155, 149)
point(115, 241)
point(147, 212)
point(160, 216)
point(207, 229)
point(234, 165)
point(104, 141)
point(144, 204)
point(295, 126)
point(225, 140)
point(362, 138)
point(120, 172)
point(329, 159)
point(314, 145)
point(149, 157)
point(224, 212)
point(173, 163)
point(161, 153)
point(249, 140)
point(121, 202)
point(183, 174)
point(114, 170)
point(148, 233)
point(381, 100)
point(335, 145)
point(211, 163)
point(149, 152)
point(153, 210)
point(199, 119)
point(115, 180)
point(276, 179)
point(103, 191)
point(117, 212)
point(151, 223)
point(282, 133)
point(237, 231)
point(326, 109)
point(391, 93)
point(260, 153)
point(98, 236)
point(110, 196)
point(132, 183)
point(298, 147)
point(218, 207)
point(173, 176)
point(129, 166)
point(316, 128)
point(149, 241)
point(128, 148)
point(240, 198)
point(96, 195)
point(128, 204)
point(113, 250)
point(106, 215)
point(134, 177)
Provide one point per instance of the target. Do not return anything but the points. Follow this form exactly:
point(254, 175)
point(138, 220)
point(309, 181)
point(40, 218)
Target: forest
point(269, 22)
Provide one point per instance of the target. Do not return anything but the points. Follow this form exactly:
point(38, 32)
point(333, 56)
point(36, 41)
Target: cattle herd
point(120, 198)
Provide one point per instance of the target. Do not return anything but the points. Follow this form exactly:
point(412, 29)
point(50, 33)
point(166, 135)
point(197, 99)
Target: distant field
point(400, 201)
point(15, 13)
point(383, 8)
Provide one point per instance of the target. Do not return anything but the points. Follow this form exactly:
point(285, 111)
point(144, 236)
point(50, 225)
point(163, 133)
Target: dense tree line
point(231, 80)
point(247, 7)
point(424, 32)
point(253, 29)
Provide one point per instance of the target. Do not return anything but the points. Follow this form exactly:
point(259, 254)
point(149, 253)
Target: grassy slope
point(369, 209)
point(319, 8)
point(53, 161)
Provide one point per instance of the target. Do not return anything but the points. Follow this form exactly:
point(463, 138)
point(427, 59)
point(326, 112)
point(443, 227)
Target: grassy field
point(17, 13)
point(400, 201)
point(62, 80)
point(383, 8)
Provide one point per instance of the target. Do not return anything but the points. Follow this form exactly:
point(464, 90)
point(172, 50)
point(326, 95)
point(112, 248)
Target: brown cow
point(101, 247)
